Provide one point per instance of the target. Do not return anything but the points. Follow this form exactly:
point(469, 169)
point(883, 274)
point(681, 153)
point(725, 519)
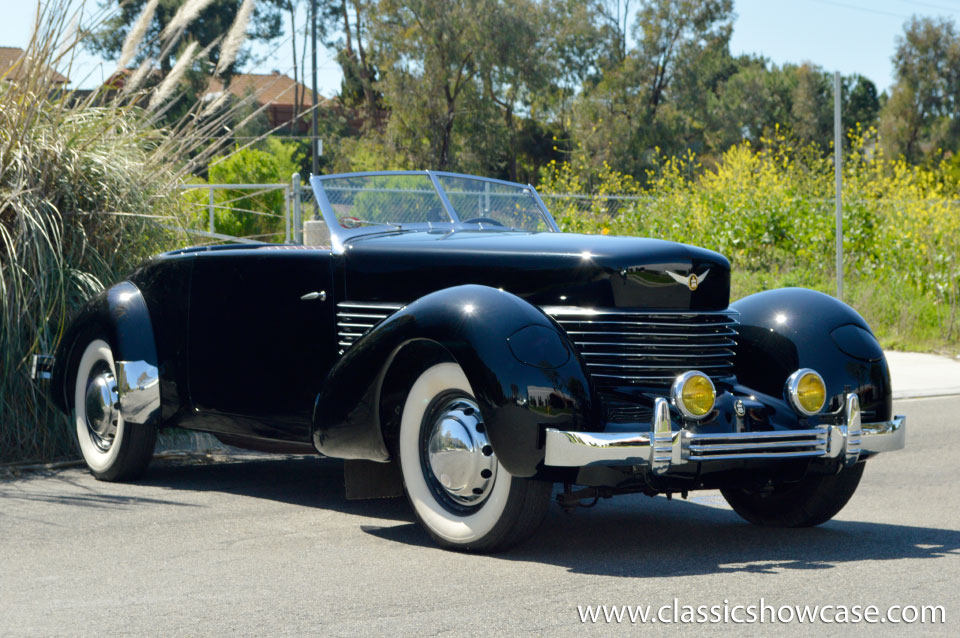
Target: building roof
point(9, 56)
point(270, 88)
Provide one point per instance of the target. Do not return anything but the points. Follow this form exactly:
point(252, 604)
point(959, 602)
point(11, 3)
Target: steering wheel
point(482, 220)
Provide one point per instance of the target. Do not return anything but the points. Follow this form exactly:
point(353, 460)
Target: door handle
point(310, 296)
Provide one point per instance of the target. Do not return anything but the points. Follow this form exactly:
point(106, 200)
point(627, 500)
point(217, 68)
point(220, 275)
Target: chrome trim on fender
point(139, 385)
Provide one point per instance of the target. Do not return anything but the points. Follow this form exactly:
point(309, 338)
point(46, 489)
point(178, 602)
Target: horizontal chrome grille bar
point(635, 347)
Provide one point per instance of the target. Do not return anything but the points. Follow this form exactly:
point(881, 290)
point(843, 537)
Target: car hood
point(547, 269)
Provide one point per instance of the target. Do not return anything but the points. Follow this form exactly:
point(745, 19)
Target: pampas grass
point(135, 37)
point(170, 83)
point(235, 37)
point(88, 186)
point(188, 11)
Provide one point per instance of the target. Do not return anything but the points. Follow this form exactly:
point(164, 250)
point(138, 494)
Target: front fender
point(790, 328)
point(472, 324)
point(120, 314)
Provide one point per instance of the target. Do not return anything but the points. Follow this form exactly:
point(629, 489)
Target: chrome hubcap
point(459, 456)
point(102, 405)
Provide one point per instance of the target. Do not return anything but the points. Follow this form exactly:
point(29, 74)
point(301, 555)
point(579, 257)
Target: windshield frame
point(339, 236)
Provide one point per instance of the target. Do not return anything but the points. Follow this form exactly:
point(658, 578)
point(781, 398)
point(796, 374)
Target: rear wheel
point(112, 449)
point(459, 492)
point(811, 501)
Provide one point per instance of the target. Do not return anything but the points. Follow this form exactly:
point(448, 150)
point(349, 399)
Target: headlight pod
point(693, 394)
point(806, 391)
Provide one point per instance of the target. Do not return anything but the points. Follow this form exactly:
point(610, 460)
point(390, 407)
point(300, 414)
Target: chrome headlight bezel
point(676, 393)
point(792, 390)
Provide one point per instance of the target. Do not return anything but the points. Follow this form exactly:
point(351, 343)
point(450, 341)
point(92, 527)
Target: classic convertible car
point(451, 343)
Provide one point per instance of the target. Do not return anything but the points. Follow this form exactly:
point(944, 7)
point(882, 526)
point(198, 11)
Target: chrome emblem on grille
point(739, 408)
point(691, 281)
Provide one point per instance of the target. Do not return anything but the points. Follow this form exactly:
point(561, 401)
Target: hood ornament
point(691, 281)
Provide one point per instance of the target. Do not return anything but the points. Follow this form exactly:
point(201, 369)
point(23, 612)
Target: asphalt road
point(272, 547)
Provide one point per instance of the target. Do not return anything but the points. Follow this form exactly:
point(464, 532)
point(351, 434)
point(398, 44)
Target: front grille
point(650, 348)
point(356, 318)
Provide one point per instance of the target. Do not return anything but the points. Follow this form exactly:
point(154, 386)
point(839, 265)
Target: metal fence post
point(838, 176)
point(297, 216)
point(287, 196)
point(211, 210)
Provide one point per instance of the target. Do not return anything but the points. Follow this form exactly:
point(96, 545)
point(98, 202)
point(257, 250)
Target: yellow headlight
point(694, 394)
point(807, 391)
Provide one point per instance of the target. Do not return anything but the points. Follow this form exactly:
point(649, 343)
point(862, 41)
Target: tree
point(922, 115)
point(621, 120)
point(210, 24)
point(861, 104)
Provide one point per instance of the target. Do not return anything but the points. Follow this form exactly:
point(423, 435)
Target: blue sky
point(845, 35)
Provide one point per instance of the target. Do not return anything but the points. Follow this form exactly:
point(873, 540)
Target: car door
point(261, 339)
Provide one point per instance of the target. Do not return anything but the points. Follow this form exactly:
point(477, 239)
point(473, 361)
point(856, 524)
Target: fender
point(474, 326)
point(790, 328)
point(120, 312)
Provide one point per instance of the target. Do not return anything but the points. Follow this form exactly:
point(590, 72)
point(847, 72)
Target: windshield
point(495, 203)
point(384, 199)
point(354, 204)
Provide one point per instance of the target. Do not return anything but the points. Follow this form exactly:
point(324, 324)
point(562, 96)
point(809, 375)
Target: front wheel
point(811, 501)
point(113, 450)
point(459, 492)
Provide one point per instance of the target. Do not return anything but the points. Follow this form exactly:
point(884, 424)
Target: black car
point(452, 343)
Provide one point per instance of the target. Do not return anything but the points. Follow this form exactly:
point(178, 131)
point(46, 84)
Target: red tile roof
point(272, 88)
point(10, 56)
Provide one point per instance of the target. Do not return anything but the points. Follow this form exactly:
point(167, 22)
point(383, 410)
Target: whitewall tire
point(111, 448)
point(459, 492)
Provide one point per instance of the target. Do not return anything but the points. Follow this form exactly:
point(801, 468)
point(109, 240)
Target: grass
point(83, 181)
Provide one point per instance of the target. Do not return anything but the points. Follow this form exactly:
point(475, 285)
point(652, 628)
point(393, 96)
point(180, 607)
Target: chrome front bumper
point(662, 447)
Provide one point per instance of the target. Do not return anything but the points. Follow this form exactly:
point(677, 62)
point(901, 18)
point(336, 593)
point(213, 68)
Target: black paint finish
point(472, 324)
point(120, 315)
point(241, 354)
point(790, 328)
point(543, 268)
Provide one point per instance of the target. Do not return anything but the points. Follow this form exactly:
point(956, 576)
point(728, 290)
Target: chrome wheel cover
point(102, 406)
point(458, 460)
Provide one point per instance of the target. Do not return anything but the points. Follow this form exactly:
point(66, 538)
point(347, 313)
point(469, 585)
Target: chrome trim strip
point(577, 310)
point(384, 305)
point(758, 456)
point(581, 449)
point(666, 366)
point(636, 344)
point(138, 383)
point(776, 434)
point(656, 355)
point(755, 445)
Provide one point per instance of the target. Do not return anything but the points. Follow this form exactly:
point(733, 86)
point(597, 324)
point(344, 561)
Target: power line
point(865, 9)
point(932, 6)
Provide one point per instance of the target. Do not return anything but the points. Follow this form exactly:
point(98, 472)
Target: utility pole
point(313, 117)
point(838, 177)
point(313, 114)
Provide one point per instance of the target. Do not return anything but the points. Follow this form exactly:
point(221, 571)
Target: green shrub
point(772, 213)
point(254, 214)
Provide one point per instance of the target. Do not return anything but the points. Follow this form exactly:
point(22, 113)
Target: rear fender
point(472, 326)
